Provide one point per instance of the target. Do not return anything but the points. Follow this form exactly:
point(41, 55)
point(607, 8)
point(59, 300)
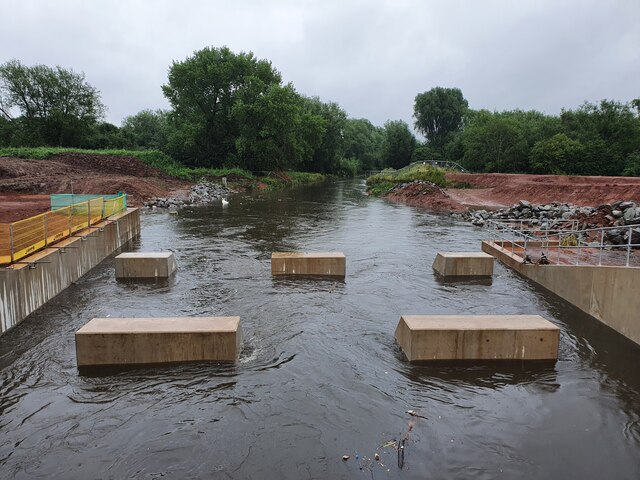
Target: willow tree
point(439, 114)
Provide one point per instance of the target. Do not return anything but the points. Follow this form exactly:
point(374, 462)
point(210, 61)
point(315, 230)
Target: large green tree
point(557, 155)
point(439, 114)
point(363, 142)
point(269, 123)
point(494, 142)
point(501, 141)
point(56, 105)
point(609, 131)
point(398, 145)
point(328, 136)
point(146, 129)
point(203, 90)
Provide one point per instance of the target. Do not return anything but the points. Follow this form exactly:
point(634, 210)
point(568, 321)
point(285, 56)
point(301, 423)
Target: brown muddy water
point(320, 375)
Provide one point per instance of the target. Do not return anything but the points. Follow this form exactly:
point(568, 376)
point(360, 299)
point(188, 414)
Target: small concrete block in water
point(477, 337)
point(308, 263)
point(145, 265)
point(125, 341)
point(463, 264)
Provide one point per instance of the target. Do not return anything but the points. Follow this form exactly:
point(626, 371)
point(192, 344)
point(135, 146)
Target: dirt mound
point(85, 173)
point(425, 194)
point(113, 164)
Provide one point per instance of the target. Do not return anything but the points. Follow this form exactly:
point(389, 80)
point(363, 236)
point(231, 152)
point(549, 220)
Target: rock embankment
point(203, 193)
point(552, 216)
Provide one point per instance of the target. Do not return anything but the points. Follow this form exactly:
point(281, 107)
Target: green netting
point(61, 200)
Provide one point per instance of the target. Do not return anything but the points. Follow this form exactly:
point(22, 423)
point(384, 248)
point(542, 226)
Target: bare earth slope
point(26, 184)
point(497, 190)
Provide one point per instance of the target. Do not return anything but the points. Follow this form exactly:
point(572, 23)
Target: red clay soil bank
point(423, 194)
point(14, 206)
point(22, 182)
point(498, 190)
point(501, 189)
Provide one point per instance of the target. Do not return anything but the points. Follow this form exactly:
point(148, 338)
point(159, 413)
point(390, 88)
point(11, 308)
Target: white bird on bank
point(225, 202)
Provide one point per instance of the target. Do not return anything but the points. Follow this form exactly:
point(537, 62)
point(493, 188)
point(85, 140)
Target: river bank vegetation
point(236, 177)
point(233, 112)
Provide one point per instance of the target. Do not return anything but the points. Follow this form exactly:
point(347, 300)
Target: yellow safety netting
point(5, 243)
point(114, 205)
point(22, 238)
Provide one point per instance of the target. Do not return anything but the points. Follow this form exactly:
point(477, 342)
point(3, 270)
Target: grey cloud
point(372, 57)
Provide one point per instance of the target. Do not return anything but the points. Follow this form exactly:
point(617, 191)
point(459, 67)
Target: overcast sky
point(372, 57)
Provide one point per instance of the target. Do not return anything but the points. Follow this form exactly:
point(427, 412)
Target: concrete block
point(477, 337)
point(308, 263)
point(125, 341)
point(145, 265)
point(463, 264)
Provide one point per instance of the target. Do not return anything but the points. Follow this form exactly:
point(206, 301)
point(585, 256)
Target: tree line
point(594, 139)
point(227, 110)
point(233, 110)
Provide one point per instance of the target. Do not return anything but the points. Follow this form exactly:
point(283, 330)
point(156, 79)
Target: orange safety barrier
point(24, 237)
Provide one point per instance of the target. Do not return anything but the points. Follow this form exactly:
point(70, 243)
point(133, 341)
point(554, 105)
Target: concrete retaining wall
point(609, 294)
point(24, 289)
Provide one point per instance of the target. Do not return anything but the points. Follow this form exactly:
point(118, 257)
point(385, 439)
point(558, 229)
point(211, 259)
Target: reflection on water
point(320, 374)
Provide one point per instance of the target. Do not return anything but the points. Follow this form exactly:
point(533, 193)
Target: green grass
point(409, 174)
point(166, 164)
point(380, 188)
point(384, 181)
point(153, 158)
point(291, 179)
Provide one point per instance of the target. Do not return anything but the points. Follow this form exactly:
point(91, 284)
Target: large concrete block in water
point(125, 341)
point(463, 264)
point(145, 265)
point(477, 337)
point(308, 263)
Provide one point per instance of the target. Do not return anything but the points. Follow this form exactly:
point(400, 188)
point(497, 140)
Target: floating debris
point(345, 457)
point(401, 454)
point(413, 413)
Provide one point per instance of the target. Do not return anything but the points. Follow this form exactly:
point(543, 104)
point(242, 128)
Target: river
point(320, 375)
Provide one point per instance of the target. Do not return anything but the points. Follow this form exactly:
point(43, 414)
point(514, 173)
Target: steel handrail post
point(629, 245)
point(46, 229)
point(601, 247)
point(11, 240)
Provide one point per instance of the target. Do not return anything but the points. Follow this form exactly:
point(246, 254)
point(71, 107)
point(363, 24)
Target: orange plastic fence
point(24, 237)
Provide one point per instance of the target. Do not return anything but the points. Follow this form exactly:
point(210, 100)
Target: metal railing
point(24, 237)
point(443, 164)
point(568, 246)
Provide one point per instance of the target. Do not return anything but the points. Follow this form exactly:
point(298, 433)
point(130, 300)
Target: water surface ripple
point(320, 375)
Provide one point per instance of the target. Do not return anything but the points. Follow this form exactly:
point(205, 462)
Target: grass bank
point(383, 182)
point(170, 167)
